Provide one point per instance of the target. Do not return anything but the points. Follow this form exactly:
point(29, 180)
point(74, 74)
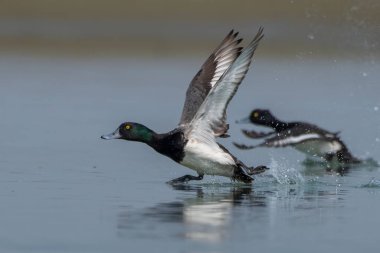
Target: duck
point(193, 142)
point(308, 138)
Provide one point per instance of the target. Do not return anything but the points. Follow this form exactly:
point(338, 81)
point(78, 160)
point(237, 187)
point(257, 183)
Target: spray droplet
point(311, 36)
point(364, 74)
point(376, 108)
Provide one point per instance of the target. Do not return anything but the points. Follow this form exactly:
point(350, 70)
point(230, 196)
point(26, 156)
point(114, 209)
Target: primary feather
point(211, 71)
point(210, 119)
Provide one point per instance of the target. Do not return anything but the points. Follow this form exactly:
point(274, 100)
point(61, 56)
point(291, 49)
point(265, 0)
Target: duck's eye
point(127, 127)
point(255, 114)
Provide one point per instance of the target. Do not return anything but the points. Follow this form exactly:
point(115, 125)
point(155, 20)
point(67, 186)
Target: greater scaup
point(305, 137)
point(193, 143)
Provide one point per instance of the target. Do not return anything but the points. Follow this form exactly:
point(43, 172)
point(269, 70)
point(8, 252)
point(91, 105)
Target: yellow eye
point(255, 114)
point(128, 127)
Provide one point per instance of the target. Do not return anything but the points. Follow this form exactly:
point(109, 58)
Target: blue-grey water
point(63, 189)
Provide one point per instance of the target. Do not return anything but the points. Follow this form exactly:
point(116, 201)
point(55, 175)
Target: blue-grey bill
point(114, 135)
point(241, 121)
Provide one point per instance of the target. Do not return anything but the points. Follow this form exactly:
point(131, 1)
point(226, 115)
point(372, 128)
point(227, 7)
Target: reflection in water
point(208, 217)
point(209, 213)
point(315, 166)
point(204, 217)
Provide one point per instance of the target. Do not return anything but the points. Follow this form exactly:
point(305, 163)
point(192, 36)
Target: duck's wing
point(256, 135)
point(210, 119)
point(211, 71)
point(283, 139)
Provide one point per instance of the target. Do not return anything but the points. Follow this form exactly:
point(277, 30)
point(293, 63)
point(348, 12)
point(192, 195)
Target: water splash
point(373, 183)
point(285, 174)
point(370, 163)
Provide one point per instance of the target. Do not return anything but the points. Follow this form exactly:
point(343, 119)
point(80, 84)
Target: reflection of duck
point(314, 167)
point(305, 137)
point(213, 213)
point(193, 142)
point(205, 217)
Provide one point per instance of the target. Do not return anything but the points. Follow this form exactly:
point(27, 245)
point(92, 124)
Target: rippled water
point(62, 189)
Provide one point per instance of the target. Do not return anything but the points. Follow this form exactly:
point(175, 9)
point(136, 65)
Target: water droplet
point(376, 108)
point(377, 139)
point(311, 36)
point(364, 74)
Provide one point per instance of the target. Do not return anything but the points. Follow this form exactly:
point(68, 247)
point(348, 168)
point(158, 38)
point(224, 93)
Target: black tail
point(242, 172)
point(240, 176)
point(344, 156)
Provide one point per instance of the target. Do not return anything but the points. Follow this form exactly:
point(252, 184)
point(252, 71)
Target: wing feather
point(210, 119)
point(211, 71)
point(282, 139)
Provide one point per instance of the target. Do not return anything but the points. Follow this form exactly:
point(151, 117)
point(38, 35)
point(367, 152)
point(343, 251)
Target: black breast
point(171, 144)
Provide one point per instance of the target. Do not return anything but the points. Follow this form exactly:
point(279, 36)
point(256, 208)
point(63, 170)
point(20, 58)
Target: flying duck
point(305, 137)
point(193, 142)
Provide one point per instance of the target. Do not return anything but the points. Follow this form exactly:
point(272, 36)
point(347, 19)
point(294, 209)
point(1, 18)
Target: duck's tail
point(242, 172)
point(241, 176)
point(344, 156)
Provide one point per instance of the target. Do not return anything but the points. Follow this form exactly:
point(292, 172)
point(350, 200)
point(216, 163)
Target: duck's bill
point(243, 121)
point(114, 135)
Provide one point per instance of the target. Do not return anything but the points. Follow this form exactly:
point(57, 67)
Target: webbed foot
point(185, 179)
point(257, 170)
point(243, 146)
point(255, 135)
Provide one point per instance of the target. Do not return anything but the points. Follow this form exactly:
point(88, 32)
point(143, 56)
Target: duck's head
point(130, 131)
point(262, 117)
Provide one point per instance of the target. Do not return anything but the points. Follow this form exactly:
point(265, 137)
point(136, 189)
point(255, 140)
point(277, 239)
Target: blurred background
point(168, 28)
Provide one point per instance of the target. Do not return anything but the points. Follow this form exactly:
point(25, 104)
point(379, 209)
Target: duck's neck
point(152, 138)
point(279, 125)
point(148, 136)
point(170, 144)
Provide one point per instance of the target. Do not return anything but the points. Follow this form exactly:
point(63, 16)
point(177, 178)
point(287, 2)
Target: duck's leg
point(256, 135)
point(253, 170)
point(185, 179)
point(243, 146)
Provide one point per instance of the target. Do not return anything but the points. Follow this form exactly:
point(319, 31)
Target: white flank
point(208, 159)
point(319, 147)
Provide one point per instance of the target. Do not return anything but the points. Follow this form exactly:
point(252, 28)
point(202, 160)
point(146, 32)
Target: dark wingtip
point(260, 33)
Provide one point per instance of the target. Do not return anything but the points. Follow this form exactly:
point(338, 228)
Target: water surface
point(63, 189)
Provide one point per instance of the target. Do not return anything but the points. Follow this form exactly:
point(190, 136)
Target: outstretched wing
point(211, 71)
point(210, 119)
point(282, 139)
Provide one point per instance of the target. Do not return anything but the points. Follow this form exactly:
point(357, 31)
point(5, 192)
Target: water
point(62, 189)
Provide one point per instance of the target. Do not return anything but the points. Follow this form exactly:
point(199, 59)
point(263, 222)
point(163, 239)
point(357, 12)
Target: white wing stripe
point(297, 139)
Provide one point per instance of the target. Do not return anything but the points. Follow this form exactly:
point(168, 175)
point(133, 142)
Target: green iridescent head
point(132, 132)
